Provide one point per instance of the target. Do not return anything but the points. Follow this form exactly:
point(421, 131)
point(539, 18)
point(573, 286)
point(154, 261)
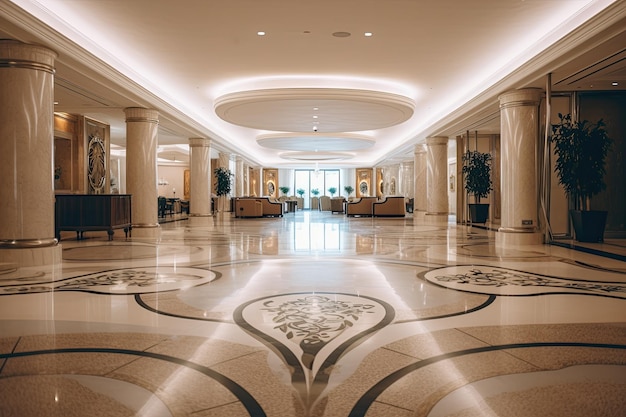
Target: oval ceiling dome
point(314, 109)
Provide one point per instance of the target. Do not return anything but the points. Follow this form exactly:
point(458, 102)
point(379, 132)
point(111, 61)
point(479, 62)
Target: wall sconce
point(163, 181)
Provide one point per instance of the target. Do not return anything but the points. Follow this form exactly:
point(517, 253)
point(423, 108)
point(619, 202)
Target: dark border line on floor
point(363, 404)
point(246, 399)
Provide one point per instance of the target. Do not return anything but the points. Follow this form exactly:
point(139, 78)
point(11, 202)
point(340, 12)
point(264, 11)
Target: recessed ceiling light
point(368, 34)
point(316, 108)
point(614, 83)
point(341, 34)
point(315, 117)
point(260, 33)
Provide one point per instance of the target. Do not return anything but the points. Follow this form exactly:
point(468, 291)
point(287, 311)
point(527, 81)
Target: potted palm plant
point(477, 175)
point(223, 185)
point(581, 149)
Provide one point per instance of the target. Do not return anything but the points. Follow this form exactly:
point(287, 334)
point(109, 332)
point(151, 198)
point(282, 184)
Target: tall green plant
point(581, 149)
point(348, 189)
point(223, 177)
point(300, 192)
point(284, 190)
point(332, 191)
point(477, 172)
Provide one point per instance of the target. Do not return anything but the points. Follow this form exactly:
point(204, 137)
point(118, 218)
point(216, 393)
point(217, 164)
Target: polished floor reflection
point(314, 314)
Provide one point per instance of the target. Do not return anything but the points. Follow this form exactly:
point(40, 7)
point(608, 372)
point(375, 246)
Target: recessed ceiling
point(430, 68)
point(316, 142)
point(316, 156)
point(314, 109)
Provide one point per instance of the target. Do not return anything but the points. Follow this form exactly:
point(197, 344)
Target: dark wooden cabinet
point(85, 212)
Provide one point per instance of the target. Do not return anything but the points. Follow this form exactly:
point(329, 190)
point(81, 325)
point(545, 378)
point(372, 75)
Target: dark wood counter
point(85, 212)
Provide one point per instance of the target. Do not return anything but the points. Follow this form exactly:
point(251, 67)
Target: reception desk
point(85, 212)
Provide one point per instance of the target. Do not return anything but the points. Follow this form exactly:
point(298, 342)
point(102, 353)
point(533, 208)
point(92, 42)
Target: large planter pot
point(589, 225)
point(479, 213)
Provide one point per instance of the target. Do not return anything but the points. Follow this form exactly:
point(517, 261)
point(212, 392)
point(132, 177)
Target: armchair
point(247, 207)
point(389, 207)
point(336, 204)
point(271, 207)
point(360, 207)
point(325, 203)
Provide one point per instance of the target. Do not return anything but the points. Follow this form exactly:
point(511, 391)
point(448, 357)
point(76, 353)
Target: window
point(322, 180)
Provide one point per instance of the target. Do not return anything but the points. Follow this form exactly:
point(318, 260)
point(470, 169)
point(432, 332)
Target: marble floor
point(313, 314)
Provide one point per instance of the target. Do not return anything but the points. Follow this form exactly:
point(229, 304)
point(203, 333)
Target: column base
point(224, 216)
point(436, 218)
point(19, 258)
point(507, 239)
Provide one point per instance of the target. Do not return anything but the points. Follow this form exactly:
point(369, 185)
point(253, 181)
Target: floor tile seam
point(394, 406)
point(6, 360)
point(215, 408)
point(387, 348)
point(240, 357)
point(112, 372)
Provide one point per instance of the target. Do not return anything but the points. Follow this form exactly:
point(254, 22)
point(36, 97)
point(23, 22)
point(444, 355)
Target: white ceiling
point(444, 61)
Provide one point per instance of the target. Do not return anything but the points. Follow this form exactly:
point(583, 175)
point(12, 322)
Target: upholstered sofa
point(389, 207)
point(336, 204)
point(270, 206)
point(248, 207)
point(360, 207)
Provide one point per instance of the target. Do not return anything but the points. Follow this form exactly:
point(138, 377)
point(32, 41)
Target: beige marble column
point(200, 181)
point(519, 130)
point(141, 169)
point(223, 160)
point(437, 178)
point(255, 182)
point(406, 187)
point(239, 176)
point(27, 235)
point(419, 157)
point(246, 179)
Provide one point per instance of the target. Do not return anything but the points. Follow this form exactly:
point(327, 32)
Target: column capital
point(140, 114)
point(419, 149)
point(15, 54)
point(437, 140)
point(522, 97)
point(199, 142)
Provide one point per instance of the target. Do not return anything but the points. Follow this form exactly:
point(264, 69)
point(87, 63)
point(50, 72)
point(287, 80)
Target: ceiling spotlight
point(614, 83)
point(315, 128)
point(368, 34)
point(261, 33)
